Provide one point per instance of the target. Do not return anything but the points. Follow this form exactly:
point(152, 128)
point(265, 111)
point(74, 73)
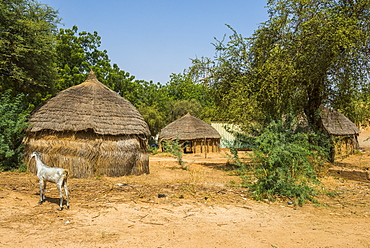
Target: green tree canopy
point(13, 116)
point(189, 93)
point(184, 86)
point(154, 117)
point(77, 54)
point(27, 57)
point(308, 53)
point(182, 107)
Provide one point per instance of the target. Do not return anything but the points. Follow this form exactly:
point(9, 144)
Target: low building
point(193, 134)
point(343, 131)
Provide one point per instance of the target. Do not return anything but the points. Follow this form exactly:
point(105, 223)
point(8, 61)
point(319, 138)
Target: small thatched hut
point(195, 135)
point(344, 131)
point(89, 130)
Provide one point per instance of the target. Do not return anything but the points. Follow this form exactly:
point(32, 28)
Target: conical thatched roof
point(188, 128)
point(89, 106)
point(336, 123)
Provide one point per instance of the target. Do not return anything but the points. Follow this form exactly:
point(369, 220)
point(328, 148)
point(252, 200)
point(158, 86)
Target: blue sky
point(153, 39)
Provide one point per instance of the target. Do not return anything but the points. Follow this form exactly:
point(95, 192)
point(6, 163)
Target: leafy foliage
point(189, 94)
point(27, 56)
point(182, 107)
point(307, 54)
point(13, 116)
point(285, 161)
point(155, 119)
point(185, 86)
point(176, 149)
point(78, 53)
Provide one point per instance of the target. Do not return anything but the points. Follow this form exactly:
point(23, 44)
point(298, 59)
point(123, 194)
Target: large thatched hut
point(344, 132)
point(195, 135)
point(89, 130)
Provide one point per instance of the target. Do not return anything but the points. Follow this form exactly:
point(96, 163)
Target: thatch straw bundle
point(200, 136)
point(89, 130)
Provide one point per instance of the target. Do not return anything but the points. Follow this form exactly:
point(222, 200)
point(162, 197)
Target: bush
point(284, 162)
point(13, 116)
point(173, 147)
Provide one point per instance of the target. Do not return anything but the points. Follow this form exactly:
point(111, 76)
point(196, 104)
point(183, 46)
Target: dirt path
point(199, 209)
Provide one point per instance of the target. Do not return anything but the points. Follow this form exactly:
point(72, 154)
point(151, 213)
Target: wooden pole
point(205, 146)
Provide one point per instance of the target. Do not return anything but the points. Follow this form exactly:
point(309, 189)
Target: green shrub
point(284, 162)
point(13, 116)
point(173, 147)
point(153, 150)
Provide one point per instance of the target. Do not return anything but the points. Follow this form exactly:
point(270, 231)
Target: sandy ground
point(200, 208)
point(364, 138)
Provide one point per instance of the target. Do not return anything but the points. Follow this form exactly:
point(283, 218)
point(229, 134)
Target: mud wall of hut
point(86, 154)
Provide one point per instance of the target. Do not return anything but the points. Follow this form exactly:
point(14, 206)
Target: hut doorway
point(188, 147)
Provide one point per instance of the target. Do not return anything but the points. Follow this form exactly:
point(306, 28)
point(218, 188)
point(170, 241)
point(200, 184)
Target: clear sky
point(151, 39)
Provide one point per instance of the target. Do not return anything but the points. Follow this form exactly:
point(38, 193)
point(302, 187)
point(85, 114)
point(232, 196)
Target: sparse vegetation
point(283, 163)
point(173, 147)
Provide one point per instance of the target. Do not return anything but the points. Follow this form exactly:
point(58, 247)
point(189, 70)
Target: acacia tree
point(27, 56)
point(313, 51)
point(308, 53)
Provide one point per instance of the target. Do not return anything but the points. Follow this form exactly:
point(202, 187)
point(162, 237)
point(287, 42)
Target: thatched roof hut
point(344, 131)
point(336, 123)
point(196, 135)
point(89, 130)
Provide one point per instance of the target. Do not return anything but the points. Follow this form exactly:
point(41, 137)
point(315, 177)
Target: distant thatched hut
point(89, 130)
point(344, 131)
point(195, 135)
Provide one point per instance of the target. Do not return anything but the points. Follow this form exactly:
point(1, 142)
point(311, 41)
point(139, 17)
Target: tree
point(182, 107)
point(13, 114)
point(312, 52)
point(184, 86)
point(152, 94)
point(155, 118)
point(307, 54)
point(226, 77)
point(77, 54)
point(27, 56)
point(188, 93)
